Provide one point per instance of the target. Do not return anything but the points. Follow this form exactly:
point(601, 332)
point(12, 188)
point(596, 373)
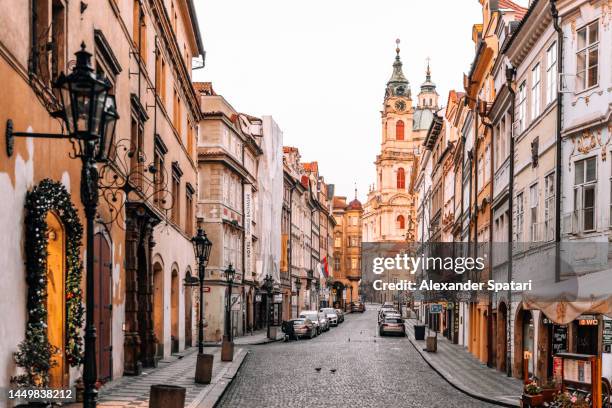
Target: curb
point(218, 390)
point(464, 390)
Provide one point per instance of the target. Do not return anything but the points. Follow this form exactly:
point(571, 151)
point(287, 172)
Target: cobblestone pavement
point(370, 371)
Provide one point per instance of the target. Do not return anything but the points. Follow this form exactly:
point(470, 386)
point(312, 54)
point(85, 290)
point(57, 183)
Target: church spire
point(428, 85)
point(397, 85)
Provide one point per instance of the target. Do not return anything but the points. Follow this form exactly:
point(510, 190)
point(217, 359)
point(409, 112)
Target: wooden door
point(103, 308)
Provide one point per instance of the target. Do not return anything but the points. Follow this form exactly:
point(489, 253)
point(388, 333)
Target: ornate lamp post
point(227, 347)
point(89, 114)
point(202, 246)
point(318, 288)
point(268, 286)
point(298, 286)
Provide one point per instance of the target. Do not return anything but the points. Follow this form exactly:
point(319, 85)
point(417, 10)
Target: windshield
point(298, 322)
point(328, 310)
point(311, 316)
point(393, 320)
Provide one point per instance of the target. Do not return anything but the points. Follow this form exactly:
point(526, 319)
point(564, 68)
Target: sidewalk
point(133, 392)
point(464, 372)
point(258, 337)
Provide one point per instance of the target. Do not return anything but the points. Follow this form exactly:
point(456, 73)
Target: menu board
point(559, 339)
point(577, 371)
point(607, 332)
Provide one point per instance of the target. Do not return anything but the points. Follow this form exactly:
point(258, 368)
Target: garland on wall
point(35, 353)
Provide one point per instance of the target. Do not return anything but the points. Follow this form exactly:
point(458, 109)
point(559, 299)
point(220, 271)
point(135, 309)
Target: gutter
point(196, 27)
point(510, 72)
point(555, 16)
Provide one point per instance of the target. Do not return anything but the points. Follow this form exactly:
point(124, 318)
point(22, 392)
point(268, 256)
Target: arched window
point(400, 222)
point(399, 130)
point(401, 178)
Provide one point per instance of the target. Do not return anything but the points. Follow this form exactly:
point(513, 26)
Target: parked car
point(331, 314)
point(392, 325)
point(303, 328)
point(358, 307)
point(385, 312)
point(340, 314)
point(318, 318)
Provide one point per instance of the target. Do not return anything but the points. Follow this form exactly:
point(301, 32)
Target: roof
point(204, 87)
point(289, 149)
point(516, 29)
point(339, 202)
point(355, 205)
point(196, 27)
point(507, 4)
point(422, 119)
point(311, 167)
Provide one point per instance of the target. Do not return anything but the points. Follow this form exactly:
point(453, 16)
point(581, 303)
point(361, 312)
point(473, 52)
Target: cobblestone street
point(370, 372)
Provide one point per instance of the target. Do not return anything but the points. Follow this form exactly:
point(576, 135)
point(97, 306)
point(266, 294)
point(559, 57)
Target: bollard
point(166, 396)
point(432, 344)
point(204, 368)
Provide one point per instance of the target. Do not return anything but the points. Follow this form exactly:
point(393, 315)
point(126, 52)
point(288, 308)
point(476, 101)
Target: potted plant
point(532, 395)
point(549, 390)
point(568, 399)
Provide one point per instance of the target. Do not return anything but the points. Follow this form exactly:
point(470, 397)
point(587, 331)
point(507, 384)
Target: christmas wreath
point(35, 353)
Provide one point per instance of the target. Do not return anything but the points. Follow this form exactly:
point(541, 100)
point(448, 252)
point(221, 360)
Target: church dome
point(422, 119)
point(397, 85)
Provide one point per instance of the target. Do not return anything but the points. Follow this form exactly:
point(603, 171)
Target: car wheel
point(381, 333)
point(312, 334)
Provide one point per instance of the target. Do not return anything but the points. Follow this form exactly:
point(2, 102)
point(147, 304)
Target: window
point(522, 108)
point(487, 164)
point(338, 242)
point(354, 221)
point(587, 56)
point(549, 206)
point(176, 119)
point(519, 217)
point(551, 73)
point(158, 177)
point(139, 31)
point(480, 173)
point(535, 92)
point(400, 222)
point(354, 241)
point(189, 190)
point(584, 193)
point(160, 76)
point(190, 138)
point(399, 130)
point(401, 178)
point(136, 135)
point(354, 263)
point(48, 53)
point(336, 263)
point(533, 213)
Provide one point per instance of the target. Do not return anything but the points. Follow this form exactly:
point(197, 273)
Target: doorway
point(158, 309)
point(174, 312)
point(103, 306)
point(188, 312)
point(56, 304)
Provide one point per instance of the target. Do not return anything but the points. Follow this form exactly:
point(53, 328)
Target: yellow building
point(347, 251)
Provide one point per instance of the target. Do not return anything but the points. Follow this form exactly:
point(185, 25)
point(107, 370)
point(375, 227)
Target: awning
point(562, 302)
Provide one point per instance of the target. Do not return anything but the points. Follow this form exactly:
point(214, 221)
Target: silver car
point(331, 315)
point(318, 319)
point(392, 325)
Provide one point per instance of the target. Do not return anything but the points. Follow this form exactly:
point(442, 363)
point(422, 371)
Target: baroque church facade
point(390, 211)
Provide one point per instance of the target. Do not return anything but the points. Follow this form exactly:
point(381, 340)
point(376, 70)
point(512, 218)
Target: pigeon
point(317, 369)
point(333, 370)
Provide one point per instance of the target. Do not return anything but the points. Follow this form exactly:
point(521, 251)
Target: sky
point(320, 67)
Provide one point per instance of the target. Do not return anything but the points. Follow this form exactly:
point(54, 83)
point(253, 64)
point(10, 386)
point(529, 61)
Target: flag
point(325, 269)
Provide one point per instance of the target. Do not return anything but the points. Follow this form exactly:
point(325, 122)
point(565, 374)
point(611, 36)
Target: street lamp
point(298, 286)
point(227, 347)
point(318, 287)
point(202, 246)
point(90, 116)
point(268, 286)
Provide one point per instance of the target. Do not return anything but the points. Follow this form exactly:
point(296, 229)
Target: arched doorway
point(56, 306)
point(338, 295)
point(188, 312)
point(158, 308)
point(502, 346)
point(523, 342)
point(103, 306)
point(174, 311)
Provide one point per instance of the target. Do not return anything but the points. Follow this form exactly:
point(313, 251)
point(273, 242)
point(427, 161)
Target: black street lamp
point(90, 115)
point(318, 288)
point(298, 286)
point(227, 347)
point(268, 286)
point(202, 246)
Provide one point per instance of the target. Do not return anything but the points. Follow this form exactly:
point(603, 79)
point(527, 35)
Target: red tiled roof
point(339, 202)
point(204, 87)
point(507, 4)
point(289, 149)
point(355, 205)
point(313, 166)
point(304, 181)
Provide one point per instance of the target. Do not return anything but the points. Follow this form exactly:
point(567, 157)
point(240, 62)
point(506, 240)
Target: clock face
point(400, 105)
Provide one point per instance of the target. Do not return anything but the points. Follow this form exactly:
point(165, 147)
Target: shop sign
point(278, 298)
point(588, 320)
point(257, 298)
point(607, 333)
point(559, 339)
point(435, 309)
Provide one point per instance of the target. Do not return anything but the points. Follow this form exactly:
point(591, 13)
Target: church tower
point(389, 213)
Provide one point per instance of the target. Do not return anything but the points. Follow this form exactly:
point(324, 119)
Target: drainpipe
point(555, 17)
point(490, 362)
point(510, 71)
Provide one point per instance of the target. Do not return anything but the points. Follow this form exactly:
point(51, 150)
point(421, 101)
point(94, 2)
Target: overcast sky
point(319, 67)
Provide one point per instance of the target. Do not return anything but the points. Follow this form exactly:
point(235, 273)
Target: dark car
point(358, 307)
point(303, 328)
point(340, 314)
point(392, 325)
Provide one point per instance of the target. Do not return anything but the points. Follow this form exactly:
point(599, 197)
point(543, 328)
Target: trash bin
point(419, 332)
